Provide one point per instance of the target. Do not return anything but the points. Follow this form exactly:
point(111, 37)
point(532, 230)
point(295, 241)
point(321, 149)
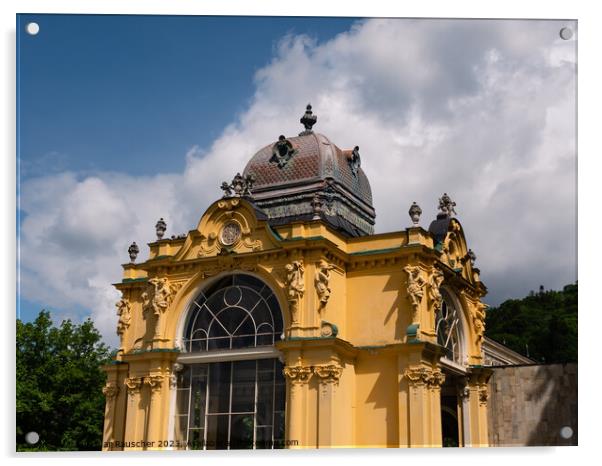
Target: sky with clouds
point(484, 110)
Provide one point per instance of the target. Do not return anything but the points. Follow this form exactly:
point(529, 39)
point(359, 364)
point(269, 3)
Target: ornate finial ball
point(160, 228)
point(308, 120)
point(133, 251)
point(415, 212)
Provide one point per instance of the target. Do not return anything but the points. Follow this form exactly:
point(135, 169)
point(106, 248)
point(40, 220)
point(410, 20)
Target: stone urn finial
point(133, 251)
point(160, 228)
point(415, 213)
point(308, 120)
point(316, 205)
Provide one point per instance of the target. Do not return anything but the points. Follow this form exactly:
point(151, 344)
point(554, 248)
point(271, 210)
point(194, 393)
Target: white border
point(589, 80)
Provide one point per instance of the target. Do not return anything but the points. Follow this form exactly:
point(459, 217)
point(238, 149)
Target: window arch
point(224, 399)
point(448, 326)
point(238, 311)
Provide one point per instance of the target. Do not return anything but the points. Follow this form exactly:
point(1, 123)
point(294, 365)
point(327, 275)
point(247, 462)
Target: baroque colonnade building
point(283, 321)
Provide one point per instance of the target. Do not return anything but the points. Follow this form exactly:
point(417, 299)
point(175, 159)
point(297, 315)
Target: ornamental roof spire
point(308, 120)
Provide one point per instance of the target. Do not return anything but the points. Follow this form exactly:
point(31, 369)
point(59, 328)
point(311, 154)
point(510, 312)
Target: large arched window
point(448, 326)
point(232, 394)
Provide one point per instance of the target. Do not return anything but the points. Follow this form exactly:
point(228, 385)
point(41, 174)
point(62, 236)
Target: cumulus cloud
point(483, 110)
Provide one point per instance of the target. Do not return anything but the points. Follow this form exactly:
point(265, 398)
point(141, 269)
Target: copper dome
point(308, 176)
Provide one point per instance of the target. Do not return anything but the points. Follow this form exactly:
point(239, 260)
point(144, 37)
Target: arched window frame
point(457, 340)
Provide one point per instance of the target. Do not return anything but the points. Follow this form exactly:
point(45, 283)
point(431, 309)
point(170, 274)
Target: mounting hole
point(566, 432)
point(32, 438)
point(566, 33)
point(32, 28)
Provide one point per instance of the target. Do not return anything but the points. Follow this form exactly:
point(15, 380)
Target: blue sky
point(125, 119)
point(135, 90)
point(127, 93)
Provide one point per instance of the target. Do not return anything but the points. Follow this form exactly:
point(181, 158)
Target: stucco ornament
point(435, 379)
point(330, 373)
point(133, 384)
point(355, 160)
point(155, 301)
point(416, 286)
point(446, 205)
point(308, 120)
point(478, 319)
point(125, 317)
point(295, 286)
point(435, 279)
point(297, 374)
point(417, 375)
point(415, 212)
point(155, 382)
point(239, 187)
point(110, 390)
point(282, 151)
point(321, 280)
point(230, 233)
point(483, 394)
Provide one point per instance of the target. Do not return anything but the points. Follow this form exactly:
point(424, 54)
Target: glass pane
point(217, 432)
point(243, 386)
point(181, 429)
point(182, 401)
point(219, 343)
point(241, 433)
point(263, 437)
point(279, 429)
point(231, 318)
point(265, 339)
point(219, 387)
point(264, 403)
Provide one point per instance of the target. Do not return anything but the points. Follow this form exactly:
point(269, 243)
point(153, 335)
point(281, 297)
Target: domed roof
point(308, 177)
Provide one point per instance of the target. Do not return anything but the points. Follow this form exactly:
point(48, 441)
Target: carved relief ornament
point(330, 373)
point(155, 382)
point(415, 288)
point(483, 394)
point(297, 374)
point(110, 390)
point(124, 312)
point(434, 281)
point(321, 281)
point(433, 378)
point(295, 286)
point(133, 385)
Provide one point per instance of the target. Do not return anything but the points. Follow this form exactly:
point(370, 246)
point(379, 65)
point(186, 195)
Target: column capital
point(297, 374)
point(133, 384)
point(330, 373)
point(155, 382)
point(110, 390)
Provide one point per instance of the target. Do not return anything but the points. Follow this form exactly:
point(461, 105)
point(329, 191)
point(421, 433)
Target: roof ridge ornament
point(239, 187)
point(355, 160)
point(446, 206)
point(308, 120)
point(282, 151)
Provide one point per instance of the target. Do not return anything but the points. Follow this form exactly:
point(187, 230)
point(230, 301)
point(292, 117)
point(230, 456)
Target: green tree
point(542, 325)
point(59, 384)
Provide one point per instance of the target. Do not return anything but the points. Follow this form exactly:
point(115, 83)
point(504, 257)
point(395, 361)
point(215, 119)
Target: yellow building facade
point(283, 321)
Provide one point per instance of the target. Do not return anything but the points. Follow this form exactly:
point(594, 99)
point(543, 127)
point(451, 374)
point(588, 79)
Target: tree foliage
point(542, 326)
point(59, 384)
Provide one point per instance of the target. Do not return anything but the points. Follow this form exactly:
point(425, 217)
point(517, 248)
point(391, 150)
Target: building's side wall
point(529, 405)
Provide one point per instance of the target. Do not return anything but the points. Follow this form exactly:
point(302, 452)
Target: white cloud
point(483, 110)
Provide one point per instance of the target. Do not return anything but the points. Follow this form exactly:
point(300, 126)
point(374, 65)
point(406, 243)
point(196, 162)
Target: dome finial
point(308, 120)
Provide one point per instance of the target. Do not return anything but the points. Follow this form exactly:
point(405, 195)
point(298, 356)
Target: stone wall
point(530, 405)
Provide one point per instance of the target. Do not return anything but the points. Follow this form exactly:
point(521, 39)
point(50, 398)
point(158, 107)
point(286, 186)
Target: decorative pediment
point(230, 226)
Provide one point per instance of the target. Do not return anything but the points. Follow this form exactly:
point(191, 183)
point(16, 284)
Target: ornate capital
point(155, 382)
point(435, 379)
point(417, 375)
point(133, 385)
point(330, 373)
point(297, 374)
point(110, 390)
